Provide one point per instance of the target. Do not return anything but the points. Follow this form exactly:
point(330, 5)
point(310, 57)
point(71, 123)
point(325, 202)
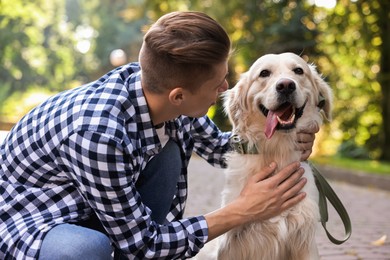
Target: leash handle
point(326, 192)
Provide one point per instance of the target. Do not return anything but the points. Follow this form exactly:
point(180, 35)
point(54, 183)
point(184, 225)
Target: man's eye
point(298, 71)
point(265, 73)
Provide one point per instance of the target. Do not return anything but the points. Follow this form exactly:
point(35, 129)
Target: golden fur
point(292, 234)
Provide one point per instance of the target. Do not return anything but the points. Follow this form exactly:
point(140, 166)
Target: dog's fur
point(265, 87)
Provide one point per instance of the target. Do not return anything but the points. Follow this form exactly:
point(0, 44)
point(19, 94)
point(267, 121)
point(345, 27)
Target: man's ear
point(176, 96)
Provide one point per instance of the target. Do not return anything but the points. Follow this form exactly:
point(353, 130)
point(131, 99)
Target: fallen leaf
point(380, 242)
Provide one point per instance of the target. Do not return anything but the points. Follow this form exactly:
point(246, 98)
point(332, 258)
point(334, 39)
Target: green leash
point(326, 192)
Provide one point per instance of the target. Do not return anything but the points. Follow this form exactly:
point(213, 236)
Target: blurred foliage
point(108, 25)
point(36, 50)
point(350, 39)
point(35, 46)
point(53, 45)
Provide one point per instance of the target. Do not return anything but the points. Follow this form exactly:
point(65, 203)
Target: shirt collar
point(150, 143)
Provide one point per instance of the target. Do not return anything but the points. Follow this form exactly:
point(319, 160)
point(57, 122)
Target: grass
point(369, 166)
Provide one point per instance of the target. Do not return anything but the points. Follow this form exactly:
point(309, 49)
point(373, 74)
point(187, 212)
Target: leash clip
point(236, 144)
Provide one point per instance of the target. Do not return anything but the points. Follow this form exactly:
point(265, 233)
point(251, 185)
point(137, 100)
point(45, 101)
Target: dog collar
point(242, 147)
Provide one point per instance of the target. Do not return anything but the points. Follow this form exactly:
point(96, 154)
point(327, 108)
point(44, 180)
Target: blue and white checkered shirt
point(82, 151)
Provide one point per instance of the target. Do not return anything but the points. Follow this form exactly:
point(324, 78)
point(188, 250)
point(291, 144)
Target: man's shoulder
point(126, 71)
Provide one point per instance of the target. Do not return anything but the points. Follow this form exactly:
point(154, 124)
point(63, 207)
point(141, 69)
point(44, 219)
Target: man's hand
point(305, 141)
point(263, 197)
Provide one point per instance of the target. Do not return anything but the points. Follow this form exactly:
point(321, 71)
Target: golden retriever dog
point(279, 95)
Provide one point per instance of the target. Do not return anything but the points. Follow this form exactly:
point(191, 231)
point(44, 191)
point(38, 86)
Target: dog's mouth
point(283, 118)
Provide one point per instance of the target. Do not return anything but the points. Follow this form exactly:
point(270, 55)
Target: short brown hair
point(181, 49)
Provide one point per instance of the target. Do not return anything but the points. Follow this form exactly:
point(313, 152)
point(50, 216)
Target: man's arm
point(261, 198)
point(103, 174)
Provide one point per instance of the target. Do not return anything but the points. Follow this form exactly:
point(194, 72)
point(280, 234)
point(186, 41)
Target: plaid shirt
point(82, 151)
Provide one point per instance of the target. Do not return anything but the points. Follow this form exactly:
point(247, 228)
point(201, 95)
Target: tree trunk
point(384, 75)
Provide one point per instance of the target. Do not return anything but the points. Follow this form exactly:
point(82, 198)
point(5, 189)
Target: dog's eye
point(298, 71)
point(265, 73)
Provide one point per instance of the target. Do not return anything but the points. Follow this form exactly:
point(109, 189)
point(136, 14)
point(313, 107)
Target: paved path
point(369, 210)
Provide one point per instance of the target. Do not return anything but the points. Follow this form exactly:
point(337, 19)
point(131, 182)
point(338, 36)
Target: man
point(105, 164)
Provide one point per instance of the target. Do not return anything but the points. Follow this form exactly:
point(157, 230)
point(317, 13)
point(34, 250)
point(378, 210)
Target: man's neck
point(160, 108)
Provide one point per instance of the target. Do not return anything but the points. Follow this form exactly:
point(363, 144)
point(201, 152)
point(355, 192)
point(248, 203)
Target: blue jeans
point(157, 185)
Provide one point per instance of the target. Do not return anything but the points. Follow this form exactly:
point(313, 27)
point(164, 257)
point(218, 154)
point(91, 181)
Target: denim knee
point(68, 241)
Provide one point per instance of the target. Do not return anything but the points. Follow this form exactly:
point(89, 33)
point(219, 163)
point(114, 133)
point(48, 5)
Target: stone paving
point(369, 210)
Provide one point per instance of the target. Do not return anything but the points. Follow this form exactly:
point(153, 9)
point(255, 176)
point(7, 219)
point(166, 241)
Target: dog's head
point(278, 93)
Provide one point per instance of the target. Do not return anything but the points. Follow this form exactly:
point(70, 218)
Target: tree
point(353, 40)
point(36, 48)
point(48, 47)
point(41, 48)
point(384, 75)
point(115, 25)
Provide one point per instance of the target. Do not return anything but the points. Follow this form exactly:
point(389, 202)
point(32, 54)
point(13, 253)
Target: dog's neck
point(281, 148)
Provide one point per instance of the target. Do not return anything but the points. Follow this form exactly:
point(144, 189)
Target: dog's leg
point(208, 252)
point(313, 251)
point(225, 246)
point(309, 252)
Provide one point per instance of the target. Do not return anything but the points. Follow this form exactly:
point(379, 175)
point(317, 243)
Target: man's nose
point(224, 87)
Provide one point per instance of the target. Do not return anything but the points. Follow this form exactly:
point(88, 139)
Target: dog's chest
point(241, 167)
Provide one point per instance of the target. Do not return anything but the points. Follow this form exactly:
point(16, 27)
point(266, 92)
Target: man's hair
point(181, 50)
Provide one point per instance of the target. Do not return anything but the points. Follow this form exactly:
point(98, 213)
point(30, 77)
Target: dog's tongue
point(272, 122)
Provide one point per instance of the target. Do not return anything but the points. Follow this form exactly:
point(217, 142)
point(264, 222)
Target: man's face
point(198, 103)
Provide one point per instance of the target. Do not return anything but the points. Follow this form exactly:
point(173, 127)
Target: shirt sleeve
point(104, 175)
point(209, 142)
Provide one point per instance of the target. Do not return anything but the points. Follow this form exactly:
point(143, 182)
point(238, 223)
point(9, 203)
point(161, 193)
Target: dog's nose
point(285, 86)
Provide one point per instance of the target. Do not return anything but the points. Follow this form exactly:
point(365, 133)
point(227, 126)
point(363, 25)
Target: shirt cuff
point(198, 232)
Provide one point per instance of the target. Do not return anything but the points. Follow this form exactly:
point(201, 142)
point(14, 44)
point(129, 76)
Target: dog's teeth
point(289, 121)
point(292, 119)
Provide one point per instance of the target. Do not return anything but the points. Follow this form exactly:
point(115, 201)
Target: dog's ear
point(325, 97)
point(235, 101)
